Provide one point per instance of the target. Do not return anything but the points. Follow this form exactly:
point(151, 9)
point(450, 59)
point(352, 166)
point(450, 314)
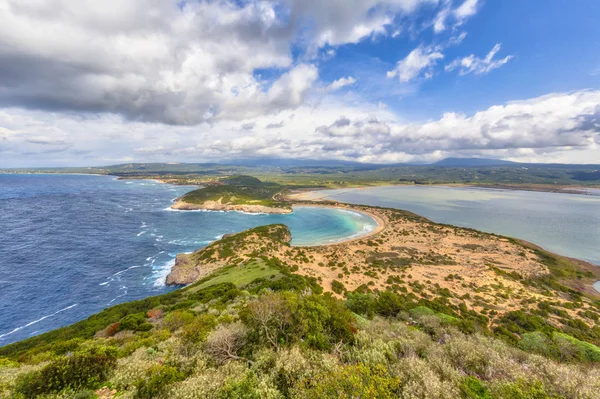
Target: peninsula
point(414, 308)
point(235, 193)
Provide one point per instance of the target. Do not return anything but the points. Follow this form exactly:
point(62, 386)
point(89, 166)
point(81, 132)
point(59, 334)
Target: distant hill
point(472, 162)
point(291, 162)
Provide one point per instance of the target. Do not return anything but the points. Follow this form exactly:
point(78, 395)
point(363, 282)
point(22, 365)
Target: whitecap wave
point(159, 273)
point(37, 321)
point(122, 288)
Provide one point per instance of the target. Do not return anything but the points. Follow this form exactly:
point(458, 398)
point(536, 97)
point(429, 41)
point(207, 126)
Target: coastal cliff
point(234, 250)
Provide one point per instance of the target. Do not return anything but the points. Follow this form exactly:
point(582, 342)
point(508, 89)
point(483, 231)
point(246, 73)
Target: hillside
point(417, 310)
point(235, 193)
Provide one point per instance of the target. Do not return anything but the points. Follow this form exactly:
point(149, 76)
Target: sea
point(72, 245)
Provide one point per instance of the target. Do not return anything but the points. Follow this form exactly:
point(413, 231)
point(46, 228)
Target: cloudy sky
point(91, 82)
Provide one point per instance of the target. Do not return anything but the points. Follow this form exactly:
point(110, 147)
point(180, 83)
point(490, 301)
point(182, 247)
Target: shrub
point(134, 322)
point(570, 347)
point(178, 318)
point(524, 390)
point(226, 341)
point(158, 377)
point(198, 330)
point(78, 371)
point(538, 342)
point(420, 311)
point(389, 304)
point(352, 381)
point(362, 304)
point(337, 287)
point(472, 388)
point(271, 317)
point(248, 387)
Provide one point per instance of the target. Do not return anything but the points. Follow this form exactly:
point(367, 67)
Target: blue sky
point(556, 48)
point(93, 83)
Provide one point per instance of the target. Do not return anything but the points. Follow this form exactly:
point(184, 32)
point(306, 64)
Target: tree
point(226, 341)
point(272, 316)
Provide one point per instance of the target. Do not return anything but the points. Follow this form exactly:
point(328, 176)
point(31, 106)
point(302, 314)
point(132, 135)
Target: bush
point(420, 311)
point(226, 342)
point(539, 343)
point(178, 318)
point(352, 381)
point(248, 387)
point(79, 371)
point(570, 347)
point(389, 304)
point(472, 388)
point(158, 377)
point(361, 304)
point(198, 330)
point(134, 322)
point(337, 287)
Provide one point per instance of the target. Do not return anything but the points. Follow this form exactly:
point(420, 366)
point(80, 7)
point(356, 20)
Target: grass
point(239, 275)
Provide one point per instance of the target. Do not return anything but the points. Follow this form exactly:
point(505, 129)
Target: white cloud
point(175, 62)
point(418, 62)
point(449, 17)
point(341, 82)
point(566, 124)
point(467, 9)
point(473, 64)
point(439, 24)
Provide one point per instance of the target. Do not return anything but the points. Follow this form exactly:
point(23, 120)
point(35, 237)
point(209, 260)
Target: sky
point(90, 83)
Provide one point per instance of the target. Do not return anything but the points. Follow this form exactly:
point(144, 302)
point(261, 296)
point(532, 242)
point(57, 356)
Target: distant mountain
point(472, 162)
point(291, 162)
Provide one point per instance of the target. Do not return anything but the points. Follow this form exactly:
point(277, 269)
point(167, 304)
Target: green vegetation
point(536, 176)
point(238, 190)
point(241, 275)
point(256, 330)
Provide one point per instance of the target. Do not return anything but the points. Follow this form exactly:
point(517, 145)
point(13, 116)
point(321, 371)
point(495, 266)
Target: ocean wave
point(141, 232)
point(159, 274)
point(122, 288)
point(124, 270)
point(187, 243)
point(169, 209)
point(37, 321)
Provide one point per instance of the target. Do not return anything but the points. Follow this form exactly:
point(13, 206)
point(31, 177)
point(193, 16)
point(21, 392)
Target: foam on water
point(96, 241)
point(37, 321)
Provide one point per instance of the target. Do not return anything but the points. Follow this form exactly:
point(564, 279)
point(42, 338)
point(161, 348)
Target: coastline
point(379, 220)
point(404, 232)
point(302, 194)
point(181, 205)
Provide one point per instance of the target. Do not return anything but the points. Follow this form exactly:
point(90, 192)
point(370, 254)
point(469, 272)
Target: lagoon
point(567, 224)
point(72, 245)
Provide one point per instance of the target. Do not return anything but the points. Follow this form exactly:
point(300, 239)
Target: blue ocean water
point(72, 245)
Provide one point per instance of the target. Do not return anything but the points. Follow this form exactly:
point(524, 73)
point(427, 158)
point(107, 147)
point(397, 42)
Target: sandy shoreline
point(312, 194)
point(381, 224)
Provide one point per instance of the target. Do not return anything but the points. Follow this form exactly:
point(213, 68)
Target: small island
point(236, 193)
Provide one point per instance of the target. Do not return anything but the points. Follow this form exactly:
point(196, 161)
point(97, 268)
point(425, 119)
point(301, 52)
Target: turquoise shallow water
point(71, 245)
point(567, 224)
